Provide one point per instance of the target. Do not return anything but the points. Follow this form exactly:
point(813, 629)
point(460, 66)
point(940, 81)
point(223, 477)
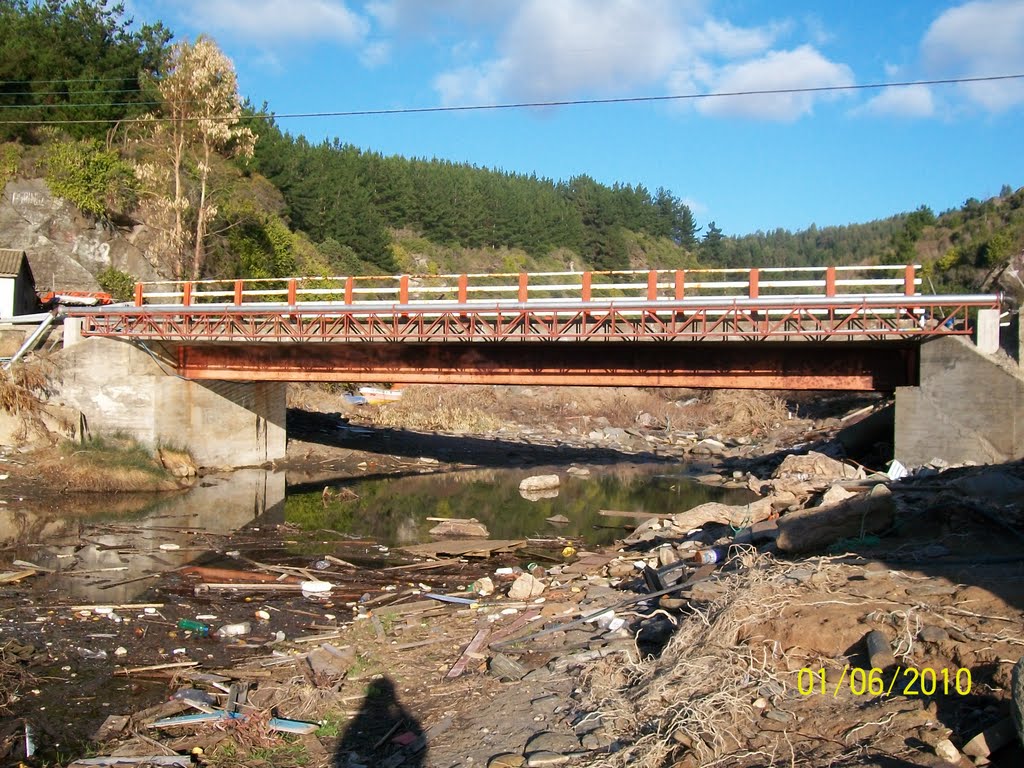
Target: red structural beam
point(752, 319)
point(783, 366)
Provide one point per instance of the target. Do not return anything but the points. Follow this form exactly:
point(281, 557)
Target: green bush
point(93, 178)
point(10, 158)
point(118, 284)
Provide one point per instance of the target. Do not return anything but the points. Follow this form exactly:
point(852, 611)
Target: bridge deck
point(579, 328)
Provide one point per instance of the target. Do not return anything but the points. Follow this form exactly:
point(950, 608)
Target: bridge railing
point(570, 287)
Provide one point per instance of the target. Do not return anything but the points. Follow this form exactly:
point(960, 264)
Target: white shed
point(17, 286)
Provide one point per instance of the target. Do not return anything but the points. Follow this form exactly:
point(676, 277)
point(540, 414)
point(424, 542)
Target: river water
point(116, 554)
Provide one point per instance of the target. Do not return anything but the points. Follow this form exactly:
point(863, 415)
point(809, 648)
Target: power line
point(563, 103)
point(67, 91)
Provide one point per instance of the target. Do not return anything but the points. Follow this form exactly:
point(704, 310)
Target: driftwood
point(817, 528)
point(738, 516)
point(468, 548)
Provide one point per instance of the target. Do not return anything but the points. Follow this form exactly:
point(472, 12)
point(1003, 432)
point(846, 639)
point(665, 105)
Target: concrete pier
point(969, 407)
point(120, 387)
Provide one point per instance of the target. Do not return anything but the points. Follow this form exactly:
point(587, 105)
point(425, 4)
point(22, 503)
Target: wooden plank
point(474, 647)
point(464, 547)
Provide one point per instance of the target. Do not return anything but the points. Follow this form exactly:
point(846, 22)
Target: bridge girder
point(804, 365)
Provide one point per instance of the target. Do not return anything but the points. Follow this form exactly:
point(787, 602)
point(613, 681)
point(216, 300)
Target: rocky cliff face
point(66, 249)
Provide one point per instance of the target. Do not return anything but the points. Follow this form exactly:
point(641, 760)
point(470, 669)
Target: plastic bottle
point(197, 627)
point(235, 630)
point(709, 556)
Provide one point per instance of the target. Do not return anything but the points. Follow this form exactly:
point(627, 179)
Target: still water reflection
point(115, 555)
point(111, 556)
point(394, 511)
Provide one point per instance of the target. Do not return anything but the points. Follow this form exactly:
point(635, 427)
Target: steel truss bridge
point(854, 328)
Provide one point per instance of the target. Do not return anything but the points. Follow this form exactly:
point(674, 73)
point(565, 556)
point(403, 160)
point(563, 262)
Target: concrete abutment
point(120, 387)
point(969, 407)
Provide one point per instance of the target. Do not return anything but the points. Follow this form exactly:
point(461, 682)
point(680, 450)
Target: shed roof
point(10, 262)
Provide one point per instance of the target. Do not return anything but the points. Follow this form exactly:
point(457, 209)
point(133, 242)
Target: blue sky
point(747, 163)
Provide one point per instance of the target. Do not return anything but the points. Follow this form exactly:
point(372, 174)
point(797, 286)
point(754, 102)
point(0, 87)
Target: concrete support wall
point(121, 388)
point(969, 407)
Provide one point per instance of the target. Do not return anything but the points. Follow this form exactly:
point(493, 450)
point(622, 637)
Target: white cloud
point(979, 39)
point(564, 49)
point(280, 20)
point(909, 101)
point(724, 39)
point(551, 51)
point(375, 54)
point(803, 67)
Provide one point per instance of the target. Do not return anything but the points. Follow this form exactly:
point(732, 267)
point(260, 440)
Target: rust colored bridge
point(853, 328)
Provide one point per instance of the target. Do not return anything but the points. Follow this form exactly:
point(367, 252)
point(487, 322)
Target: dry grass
point(107, 465)
point(735, 412)
point(22, 385)
point(14, 678)
point(699, 693)
point(443, 408)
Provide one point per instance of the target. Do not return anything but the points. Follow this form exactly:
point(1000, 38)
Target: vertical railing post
point(139, 297)
point(292, 292)
point(754, 283)
point(585, 288)
point(680, 284)
point(186, 294)
point(524, 290)
point(463, 289)
point(403, 289)
point(349, 286)
point(652, 286)
point(909, 287)
point(830, 281)
point(238, 293)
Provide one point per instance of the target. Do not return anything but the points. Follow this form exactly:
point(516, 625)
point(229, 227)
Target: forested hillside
point(132, 128)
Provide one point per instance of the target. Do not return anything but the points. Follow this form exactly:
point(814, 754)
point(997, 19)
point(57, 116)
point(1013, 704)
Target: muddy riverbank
point(399, 656)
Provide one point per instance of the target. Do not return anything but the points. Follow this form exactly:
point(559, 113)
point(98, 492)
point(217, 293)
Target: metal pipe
point(31, 340)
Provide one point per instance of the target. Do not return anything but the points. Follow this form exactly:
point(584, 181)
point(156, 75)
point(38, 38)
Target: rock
point(461, 528)
point(178, 463)
point(546, 758)
point(618, 569)
point(557, 519)
point(799, 575)
point(947, 751)
point(932, 634)
point(540, 483)
point(505, 669)
point(816, 466)
point(599, 739)
point(526, 587)
point(835, 494)
point(709, 445)
point(550, 741)
point(647, 420)
point(483, 586)
point(578, 471)
point(615, 433)
point(506, 760)
point(667, 556)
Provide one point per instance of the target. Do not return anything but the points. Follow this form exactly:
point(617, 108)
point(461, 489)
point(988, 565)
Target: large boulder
point(66, 249)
